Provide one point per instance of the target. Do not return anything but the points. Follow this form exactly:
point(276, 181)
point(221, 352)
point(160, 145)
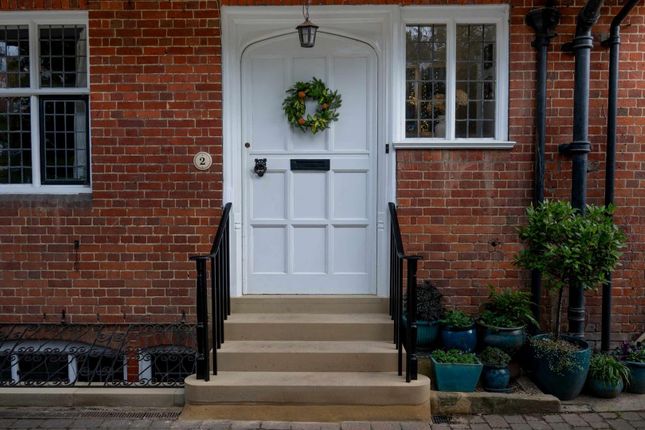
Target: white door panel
point(309, 231)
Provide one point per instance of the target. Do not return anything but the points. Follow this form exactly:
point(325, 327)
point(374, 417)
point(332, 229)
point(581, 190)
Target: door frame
point(244, 26)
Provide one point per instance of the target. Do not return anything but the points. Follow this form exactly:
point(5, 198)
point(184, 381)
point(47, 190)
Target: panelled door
point(311, 229)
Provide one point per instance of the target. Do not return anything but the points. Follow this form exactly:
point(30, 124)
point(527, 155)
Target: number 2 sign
point(203, 160)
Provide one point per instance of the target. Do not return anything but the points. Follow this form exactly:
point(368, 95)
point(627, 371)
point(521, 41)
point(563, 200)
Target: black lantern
point(307, 30)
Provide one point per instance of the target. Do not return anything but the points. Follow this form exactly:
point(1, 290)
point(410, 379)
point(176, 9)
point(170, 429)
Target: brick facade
point(155, 102)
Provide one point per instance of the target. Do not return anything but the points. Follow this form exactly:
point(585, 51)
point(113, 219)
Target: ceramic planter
point(509, 340)
point(496, 378)
point(637, 380)
point(456, 377)
point(427, 332)
point(604, 389)
point(565, 385)
point(461, 339)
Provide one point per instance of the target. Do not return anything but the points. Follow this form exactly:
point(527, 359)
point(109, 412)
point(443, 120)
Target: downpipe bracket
point(574, 147)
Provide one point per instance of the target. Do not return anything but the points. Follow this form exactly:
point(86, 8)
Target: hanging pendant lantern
point(307, 30)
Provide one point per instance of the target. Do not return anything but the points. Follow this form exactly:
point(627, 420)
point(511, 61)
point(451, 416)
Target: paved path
point(123, 419)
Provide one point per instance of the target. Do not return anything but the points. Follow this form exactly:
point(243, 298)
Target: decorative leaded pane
point(63, 56)
point(64, 140)
point(425, 104)
point(475, 73)
point(14, 57)
point(15, 140)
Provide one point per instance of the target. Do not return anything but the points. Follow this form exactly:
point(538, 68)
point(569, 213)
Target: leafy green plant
point(457, 320)
point(508, 308)
point(429, 302)
point(606, 368)
point(569, 247)
point(492, 356)
point(558, 353)
point(630, 351)
point(454, 356)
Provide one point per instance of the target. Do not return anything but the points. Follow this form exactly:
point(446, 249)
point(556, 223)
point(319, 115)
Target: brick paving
point(55, 418)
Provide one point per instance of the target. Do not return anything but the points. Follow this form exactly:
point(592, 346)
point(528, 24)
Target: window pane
point(64, 141)
point(14, 57)
point(63, 56)
point(15, 140)
point(476, 75)
point(425, 107)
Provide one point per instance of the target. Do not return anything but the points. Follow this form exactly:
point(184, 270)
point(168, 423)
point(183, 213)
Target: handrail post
point(203, 356)
point(412, 364)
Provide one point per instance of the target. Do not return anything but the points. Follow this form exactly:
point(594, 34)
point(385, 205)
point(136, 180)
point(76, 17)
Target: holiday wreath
point(295, 109)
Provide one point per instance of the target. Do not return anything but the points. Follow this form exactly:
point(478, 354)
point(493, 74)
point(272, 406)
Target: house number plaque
point(203, 160)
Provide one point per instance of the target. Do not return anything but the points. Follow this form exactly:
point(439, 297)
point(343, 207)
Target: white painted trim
point(451, 16)
point(33, 20)
point(241, 27)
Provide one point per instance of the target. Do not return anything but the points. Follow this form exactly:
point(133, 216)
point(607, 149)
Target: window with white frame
point(455, 77)
point(44, 112)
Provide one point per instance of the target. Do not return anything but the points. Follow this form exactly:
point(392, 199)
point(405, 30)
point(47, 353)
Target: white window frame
point(451, 16)
point(33, 20)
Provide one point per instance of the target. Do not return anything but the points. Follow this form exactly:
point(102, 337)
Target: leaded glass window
point(63, 58)
point(14, 56)
point(15, 140)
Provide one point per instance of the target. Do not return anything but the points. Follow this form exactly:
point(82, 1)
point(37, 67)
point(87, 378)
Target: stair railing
point(220, 283)
point(405, 324)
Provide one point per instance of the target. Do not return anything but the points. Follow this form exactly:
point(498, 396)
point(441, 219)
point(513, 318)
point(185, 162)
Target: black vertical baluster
point(220, 295)
point(214, 307)
point(399, 305)
point(202, 365)
point(227, 266)
point(411, 341)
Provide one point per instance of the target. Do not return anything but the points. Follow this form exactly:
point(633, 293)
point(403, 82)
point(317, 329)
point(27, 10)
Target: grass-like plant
point(606, 368)
point(457, 320)
point(508, 308)
point(454, 356)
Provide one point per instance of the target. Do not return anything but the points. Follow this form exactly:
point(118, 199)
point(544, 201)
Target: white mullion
point(34, 108)
point(451, 78)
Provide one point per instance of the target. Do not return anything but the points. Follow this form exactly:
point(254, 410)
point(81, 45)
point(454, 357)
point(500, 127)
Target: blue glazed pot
point(463, 340)
point(427, 332)
point(496, 378)
point(565, 385)
point(604, 389)
point(637, 379)
point(456, 377)
point(509, 340)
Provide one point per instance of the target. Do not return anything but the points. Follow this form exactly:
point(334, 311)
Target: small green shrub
point(558, 353)
point(630, 351)
point(454, 356)
point(492, 356)
point(607, 369)
point(457, 320)
point(429, 302)
point(508, 308)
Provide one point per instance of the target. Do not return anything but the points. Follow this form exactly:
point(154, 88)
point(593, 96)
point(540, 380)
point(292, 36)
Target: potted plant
point(455, 370)
point(569, 248)
point(607, 376)
point(502, 323)
point(633, 355)
point(458, 331)
point(430, 310)
point(495, 376)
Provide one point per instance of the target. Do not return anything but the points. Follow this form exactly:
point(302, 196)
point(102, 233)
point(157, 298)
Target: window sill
point(44, 190)
point(454, 144)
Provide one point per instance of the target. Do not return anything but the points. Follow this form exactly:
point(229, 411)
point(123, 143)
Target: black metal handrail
point(405, 329)
point(220, 277)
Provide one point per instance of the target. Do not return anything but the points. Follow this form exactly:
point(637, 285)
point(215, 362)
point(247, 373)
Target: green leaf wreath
point(294, 105)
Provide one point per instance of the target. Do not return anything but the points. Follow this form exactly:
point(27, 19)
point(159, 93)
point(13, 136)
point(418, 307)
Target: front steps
point(308, 358)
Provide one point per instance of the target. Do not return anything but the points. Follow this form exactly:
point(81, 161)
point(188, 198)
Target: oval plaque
point(203, 160)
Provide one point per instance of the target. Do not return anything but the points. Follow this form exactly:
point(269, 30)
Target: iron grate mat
point(119, 413)
point(441, 419)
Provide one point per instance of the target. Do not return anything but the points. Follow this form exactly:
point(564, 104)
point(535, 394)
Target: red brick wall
point(155, 102)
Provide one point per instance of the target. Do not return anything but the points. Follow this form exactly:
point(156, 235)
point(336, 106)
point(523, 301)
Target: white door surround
point(244, 27)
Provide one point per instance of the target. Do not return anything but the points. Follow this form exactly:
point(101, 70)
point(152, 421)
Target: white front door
point(309, 231)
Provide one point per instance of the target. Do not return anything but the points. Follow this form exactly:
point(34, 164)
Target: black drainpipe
point(610, 169)
point(580, 147)
point(543, 21)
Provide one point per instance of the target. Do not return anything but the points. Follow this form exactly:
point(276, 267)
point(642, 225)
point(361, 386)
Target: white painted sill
point(454, 144)
point(58, 190)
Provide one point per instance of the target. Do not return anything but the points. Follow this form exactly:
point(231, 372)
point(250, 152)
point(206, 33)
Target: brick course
point(155, 101)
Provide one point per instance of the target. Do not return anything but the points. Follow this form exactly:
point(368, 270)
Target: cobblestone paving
point(59, 418)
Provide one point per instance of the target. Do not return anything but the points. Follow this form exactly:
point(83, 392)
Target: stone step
point(309, 304)
point(311, 327)
point(325, 396)
point(307, 356)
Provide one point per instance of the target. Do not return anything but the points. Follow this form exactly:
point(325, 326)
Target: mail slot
point(309, 164)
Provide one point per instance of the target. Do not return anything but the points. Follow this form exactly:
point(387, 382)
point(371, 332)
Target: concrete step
point(326, 396)
point(312, 327)
point(314, 304)
point(307, 356)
